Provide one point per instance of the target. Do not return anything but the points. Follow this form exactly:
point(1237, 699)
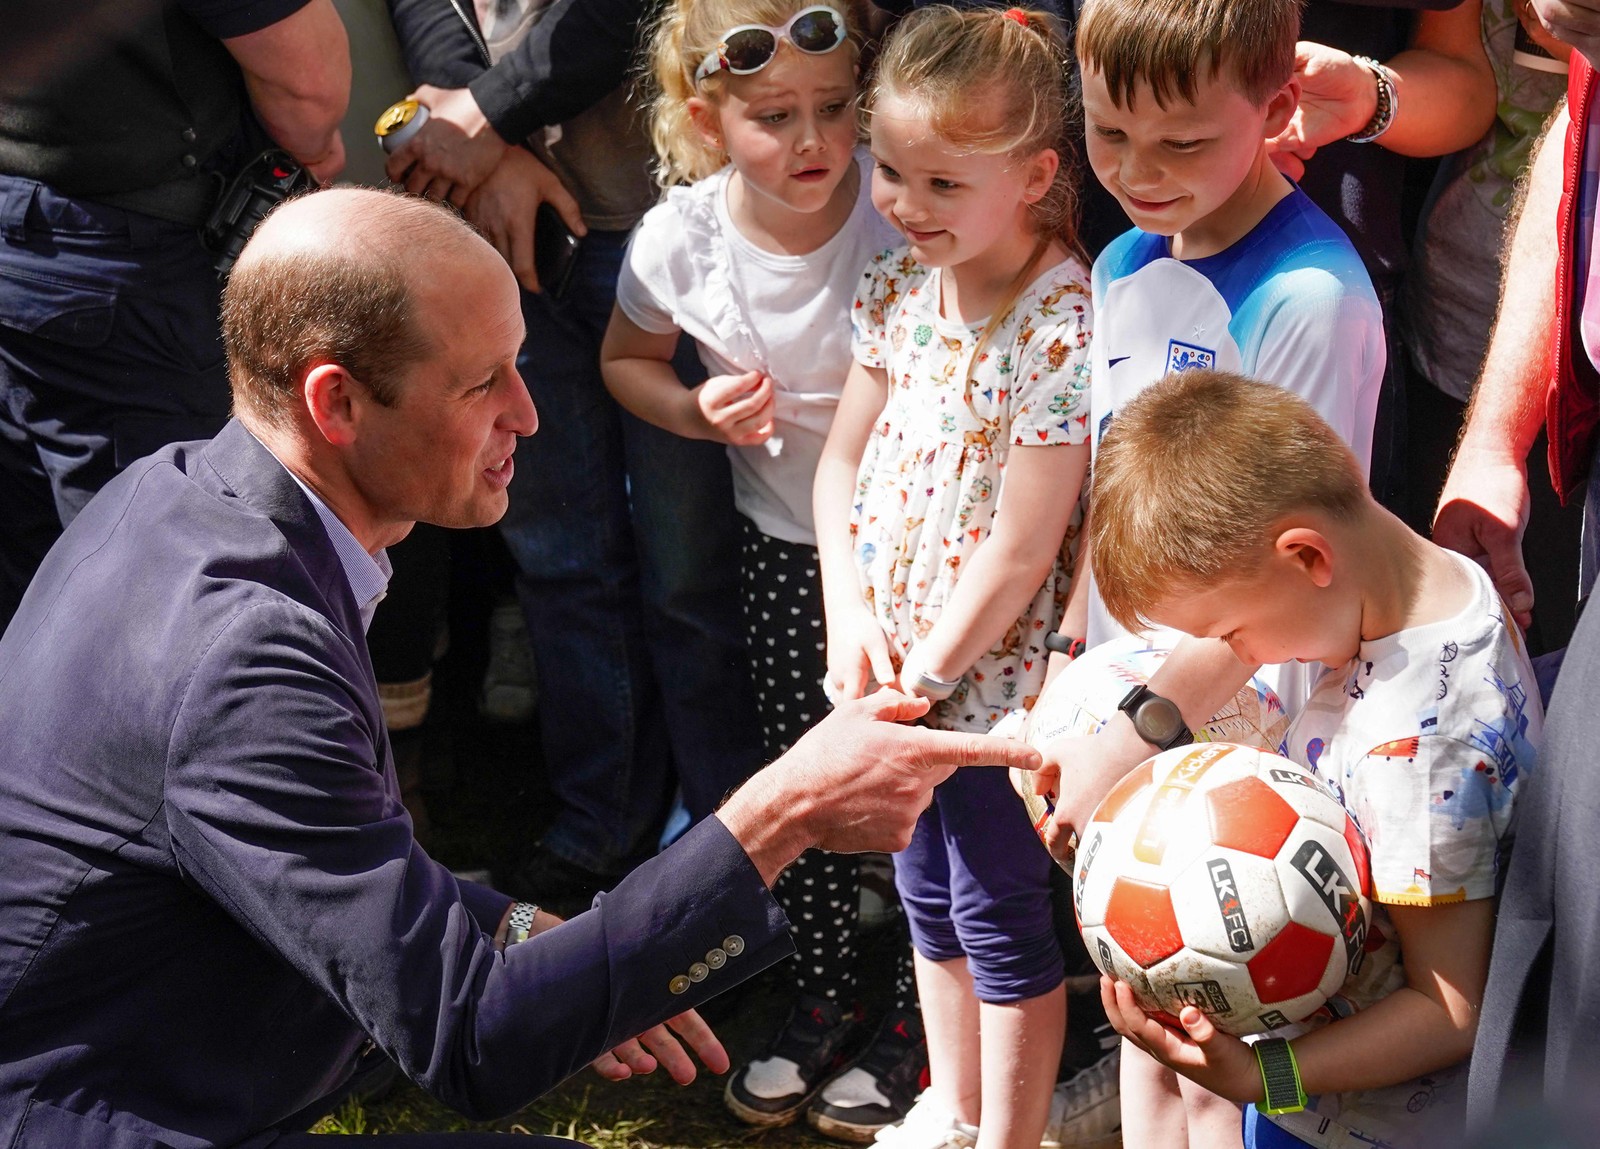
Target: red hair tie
point(1018, 15)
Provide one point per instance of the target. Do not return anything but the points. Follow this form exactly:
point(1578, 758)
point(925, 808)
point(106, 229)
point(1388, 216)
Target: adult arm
point(279, 815)
point(1483, 509)
point(577, 53)
point(1444, 84)
point(297, 75)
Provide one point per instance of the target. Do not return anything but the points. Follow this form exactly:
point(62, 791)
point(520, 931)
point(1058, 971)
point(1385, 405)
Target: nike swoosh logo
point(1118, 359)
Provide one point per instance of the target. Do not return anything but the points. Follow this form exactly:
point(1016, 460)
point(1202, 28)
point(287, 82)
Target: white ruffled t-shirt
point(689, 269)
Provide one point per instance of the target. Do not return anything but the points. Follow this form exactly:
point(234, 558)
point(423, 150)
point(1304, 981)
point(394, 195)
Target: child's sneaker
point(814, 1044)
point(880, 1087)
point(1086, 1109)
point(928, 1126)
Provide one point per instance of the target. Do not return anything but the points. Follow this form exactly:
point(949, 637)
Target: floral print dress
point(934, 467)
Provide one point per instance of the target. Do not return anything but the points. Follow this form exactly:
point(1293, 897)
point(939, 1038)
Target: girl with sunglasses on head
point(946, 499)
point(755, 252)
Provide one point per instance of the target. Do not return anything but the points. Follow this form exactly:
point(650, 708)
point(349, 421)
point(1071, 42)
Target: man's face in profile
point(442, 453)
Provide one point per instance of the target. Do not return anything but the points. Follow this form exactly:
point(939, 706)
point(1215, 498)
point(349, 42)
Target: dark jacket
point(210, 897)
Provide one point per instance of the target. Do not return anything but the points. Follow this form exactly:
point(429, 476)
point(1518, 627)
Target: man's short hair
point(1167, 44)
point(1191, 479)
point(347, 302)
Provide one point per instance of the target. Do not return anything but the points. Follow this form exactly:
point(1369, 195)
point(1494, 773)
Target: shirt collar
point(368, 575)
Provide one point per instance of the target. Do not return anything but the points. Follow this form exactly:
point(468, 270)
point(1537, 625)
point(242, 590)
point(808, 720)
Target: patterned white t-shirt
point(1425, 738)
point(933, 471)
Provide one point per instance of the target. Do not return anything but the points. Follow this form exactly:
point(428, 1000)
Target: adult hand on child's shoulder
point(1483, 511)
point(1337, 97)
point(738, 409)
point(1201, 1052)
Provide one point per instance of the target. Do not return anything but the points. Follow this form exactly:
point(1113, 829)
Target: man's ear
point(1308, 551)
point(706, 120)
point(1281, 107)
point(332, 395)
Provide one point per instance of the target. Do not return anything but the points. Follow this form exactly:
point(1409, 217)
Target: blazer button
point(699, 971)
point(716, 958)
point(734, 944)
point(679, 984)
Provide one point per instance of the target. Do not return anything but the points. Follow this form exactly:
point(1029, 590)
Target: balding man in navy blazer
point(211, 903)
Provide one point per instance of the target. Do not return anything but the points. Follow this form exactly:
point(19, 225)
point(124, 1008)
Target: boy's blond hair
point(687, 31)
point(1167, 43)
point(1191, 479)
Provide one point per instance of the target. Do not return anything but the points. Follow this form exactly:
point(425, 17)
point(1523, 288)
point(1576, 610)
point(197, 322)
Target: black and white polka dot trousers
point(820, 892)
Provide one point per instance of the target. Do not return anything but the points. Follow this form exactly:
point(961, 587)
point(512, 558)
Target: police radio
point(266, 181)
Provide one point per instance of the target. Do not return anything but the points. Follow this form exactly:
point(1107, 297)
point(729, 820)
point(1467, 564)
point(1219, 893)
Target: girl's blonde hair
point(995, 84)
point(687, 31)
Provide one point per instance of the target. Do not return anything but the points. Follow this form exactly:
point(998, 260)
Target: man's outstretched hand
point(858, 780)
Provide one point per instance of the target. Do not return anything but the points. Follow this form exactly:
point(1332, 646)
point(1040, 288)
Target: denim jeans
point(626, 545)
point(110, 348)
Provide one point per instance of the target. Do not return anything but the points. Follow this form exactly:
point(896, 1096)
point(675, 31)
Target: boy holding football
point(1227, 509)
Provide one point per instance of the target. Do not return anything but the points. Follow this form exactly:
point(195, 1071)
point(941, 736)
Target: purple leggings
point(975, 883)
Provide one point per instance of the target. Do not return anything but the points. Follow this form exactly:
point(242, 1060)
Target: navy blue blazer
point(210, 896)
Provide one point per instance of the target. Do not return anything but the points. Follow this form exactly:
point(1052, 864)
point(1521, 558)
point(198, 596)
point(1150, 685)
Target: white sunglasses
point(748, 48)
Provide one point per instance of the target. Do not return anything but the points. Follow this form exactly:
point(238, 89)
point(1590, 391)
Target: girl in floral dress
point(944, 501)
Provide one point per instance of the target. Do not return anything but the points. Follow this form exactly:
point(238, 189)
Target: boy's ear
point(1041, 174)
point(703, 115)
point(1281, 107)
point(1308, 551)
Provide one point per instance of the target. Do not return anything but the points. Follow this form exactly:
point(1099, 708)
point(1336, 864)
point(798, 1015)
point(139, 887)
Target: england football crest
point(1187, 357)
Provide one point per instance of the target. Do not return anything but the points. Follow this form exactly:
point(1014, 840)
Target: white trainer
point(928, 1125)
point(1086, 1110)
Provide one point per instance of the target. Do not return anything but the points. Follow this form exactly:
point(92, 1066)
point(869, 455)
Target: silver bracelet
point(1388, 102)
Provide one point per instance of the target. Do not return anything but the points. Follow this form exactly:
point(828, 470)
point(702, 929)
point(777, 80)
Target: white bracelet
point(934, 689)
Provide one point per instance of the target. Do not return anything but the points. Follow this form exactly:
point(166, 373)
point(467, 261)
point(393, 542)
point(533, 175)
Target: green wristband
point(1280, 1077)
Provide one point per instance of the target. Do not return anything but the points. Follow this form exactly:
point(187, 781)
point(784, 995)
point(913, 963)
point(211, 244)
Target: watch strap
point(1280, 1077)
point(519, 926)
point(1057, 643)
point(1138, 697)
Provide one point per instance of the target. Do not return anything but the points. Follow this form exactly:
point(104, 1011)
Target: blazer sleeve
point(279, 813)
